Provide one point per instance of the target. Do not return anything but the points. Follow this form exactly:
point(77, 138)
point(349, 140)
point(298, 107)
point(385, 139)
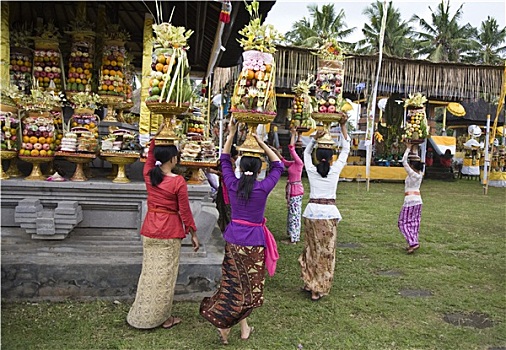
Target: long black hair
point(416, 165)
point(162, 154)
point(323, 156)
point(248, 164)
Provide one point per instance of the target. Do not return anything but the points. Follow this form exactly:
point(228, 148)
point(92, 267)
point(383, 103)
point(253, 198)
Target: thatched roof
point(446, 81)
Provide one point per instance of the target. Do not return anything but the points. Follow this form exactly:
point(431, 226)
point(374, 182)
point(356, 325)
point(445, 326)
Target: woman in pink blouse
point(294, 190)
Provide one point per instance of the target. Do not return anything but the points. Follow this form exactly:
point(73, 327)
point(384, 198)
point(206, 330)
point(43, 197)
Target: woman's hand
point(319, 133)
point(293, 131)
point(344, 119)
point(275, 151)
point(232, 126)
point(195, 241)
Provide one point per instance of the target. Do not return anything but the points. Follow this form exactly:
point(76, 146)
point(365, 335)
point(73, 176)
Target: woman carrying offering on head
point(250, 248)
point(294, 190)
point(168, 220)
point(411, 212)
point(321, 215)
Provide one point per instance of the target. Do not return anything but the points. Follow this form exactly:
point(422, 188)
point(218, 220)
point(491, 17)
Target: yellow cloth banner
point(145, 125)
point(444, 140)
point(377, 172)
point(4, 46)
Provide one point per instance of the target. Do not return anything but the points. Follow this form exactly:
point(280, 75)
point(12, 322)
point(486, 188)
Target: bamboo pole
point(4, 46)
point(145, 122)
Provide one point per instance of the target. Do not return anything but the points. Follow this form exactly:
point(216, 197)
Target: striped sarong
point(409, 223)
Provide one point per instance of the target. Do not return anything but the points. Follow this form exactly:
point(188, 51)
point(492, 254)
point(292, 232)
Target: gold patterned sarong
point(155, 290)
point(318, 259)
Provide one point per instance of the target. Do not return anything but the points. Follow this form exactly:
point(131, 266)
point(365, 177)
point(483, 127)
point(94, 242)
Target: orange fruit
point(34, 152)
point(78, 80)
point(160, 85)
point(159, 67)
point(26, 139)
point(119, 74)
point(111, 88)
point(92, 125)
point(250, 74)
point(79, 70)
point(42, 139)
point(268, 68)
point(42, 153)
point(49, 140)
point(33, 139)
point(160, 59)
point(71, 80)
point(114, 63)
point(112, 73)
point(107, 62)
point(105, 72)
point(58, 142)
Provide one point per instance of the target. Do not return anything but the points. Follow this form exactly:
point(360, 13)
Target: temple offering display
point(170, 89)
point(38, 135)
point(9, 123)
point(21, 58)
point(47, 64)
point(301, 105)
point(416, 128)
point(198, 151)
point(328, 100)
point(254, 99)
point(121, 141)
point(80, 72)
point(195, 124)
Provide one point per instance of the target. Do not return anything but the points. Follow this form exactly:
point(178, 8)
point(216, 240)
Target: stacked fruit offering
point(20, 69)
point(196, 124)
point(301, 108)
point(87, 121)
point(38, 136)
point(111, 73)
point(10, 127)
point(416, 124)
point(329, 80)
point(47, 69)
point(121, 141)
point(80, 67)
point(254, 89)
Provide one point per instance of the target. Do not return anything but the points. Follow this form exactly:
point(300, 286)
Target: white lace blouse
point(412, 183)
point(320, 187)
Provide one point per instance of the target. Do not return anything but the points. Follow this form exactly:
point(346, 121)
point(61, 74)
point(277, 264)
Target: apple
point(323, 109)
point(331, 109)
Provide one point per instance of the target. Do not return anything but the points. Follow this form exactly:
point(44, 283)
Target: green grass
point(461, 262)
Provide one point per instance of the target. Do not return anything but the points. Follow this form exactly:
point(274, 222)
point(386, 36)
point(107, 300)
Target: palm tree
point(444, 40)
point(321, 25)
point(397, 40)
point(491, 40)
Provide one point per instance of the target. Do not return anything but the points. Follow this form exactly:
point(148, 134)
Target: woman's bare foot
point(246, 334)
point(223, 333)
point(171, 322)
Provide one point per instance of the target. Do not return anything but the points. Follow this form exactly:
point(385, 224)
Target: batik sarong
point(241, 288)
point(318, 259)
point(294, 218)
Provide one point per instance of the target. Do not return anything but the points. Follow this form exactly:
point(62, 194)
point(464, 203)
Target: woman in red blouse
point(168, 220)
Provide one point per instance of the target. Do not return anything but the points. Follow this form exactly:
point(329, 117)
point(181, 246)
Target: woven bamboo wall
point(447, 81)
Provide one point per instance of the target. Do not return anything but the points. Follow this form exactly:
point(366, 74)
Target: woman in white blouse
point(411, 212)
point(321, 215)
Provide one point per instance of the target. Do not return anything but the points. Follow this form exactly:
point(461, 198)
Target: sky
point(285, 12)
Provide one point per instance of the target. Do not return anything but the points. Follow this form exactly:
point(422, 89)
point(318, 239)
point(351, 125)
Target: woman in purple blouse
point(294, 190)
point(250, 248)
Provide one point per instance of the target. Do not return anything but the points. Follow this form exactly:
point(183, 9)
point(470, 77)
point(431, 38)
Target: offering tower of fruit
point(416, 127)
point(47, 68)
point(254, 91)
point(80, 73)
point(330, 78)
point(170, 70)
point(301, 108)
point(21, 57)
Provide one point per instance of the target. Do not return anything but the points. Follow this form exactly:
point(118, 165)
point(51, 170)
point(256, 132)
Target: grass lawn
point(459, 270)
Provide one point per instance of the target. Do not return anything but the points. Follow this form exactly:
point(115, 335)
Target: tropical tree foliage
point(397, 40)
point(491, 44)
point(322, 24)
point(444, 39)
